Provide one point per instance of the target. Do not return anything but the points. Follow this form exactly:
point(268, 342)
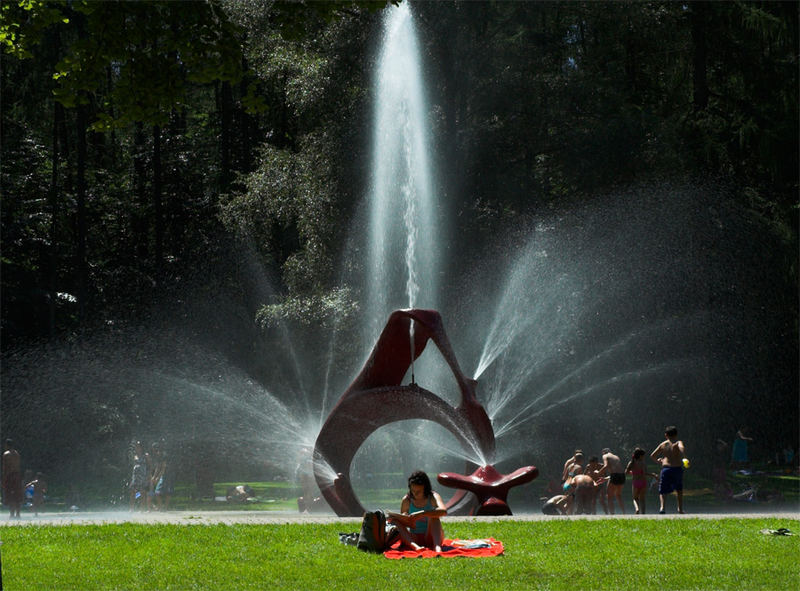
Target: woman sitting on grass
point(418, 521)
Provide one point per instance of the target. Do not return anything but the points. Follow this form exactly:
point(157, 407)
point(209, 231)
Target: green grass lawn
point(642, 554)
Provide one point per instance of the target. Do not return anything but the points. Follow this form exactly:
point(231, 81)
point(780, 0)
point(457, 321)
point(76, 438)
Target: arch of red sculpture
point(377, 398)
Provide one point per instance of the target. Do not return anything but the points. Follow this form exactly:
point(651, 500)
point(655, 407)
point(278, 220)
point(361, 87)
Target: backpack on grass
point(374, 536)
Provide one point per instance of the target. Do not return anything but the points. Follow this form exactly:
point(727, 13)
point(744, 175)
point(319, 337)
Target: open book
point(400, 518)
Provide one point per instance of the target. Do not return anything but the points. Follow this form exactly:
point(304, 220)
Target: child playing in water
point(39, 488)
point(593, 468)
point(670, 454)
point(636, 468)
point(419, 522)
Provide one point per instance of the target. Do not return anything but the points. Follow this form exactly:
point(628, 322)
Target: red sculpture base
point(489, 486)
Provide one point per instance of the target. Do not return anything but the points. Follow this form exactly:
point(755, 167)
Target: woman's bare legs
point(435, 533)
point(639, 495)
point(408, 538)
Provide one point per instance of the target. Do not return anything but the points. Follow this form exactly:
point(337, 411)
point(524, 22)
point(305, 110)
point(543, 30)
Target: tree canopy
point(146, 145)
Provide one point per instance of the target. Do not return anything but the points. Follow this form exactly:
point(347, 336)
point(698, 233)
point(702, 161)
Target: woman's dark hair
point(637, 453)
point(419, 477)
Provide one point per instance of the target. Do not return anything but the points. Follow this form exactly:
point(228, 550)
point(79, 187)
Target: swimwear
point(421, 526)
point(739, 452)
point(639, 481)
point(671, 480)
point(617, 478)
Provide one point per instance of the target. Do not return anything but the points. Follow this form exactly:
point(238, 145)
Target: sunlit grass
point(673, 554)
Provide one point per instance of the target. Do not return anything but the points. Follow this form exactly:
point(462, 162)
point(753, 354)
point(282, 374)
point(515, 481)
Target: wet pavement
point(279, 517)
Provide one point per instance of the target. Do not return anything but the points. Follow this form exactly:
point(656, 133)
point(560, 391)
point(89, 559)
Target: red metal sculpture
point(377, 398)
point(489, 486)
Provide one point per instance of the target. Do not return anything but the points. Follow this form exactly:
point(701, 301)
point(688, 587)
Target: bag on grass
point(373, 536)
point(349, 539)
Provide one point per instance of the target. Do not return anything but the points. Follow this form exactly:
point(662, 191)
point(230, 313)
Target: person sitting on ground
point(418, 522)
point(239, 494)
point(556, 505)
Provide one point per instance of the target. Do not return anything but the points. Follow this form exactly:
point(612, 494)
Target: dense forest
point(154, 153)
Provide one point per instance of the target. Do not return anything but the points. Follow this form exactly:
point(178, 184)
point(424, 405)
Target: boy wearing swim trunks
point(670, 454)
point(612, 466)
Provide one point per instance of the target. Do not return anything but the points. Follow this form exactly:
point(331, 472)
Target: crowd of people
point(585, 481)
point(151, 484)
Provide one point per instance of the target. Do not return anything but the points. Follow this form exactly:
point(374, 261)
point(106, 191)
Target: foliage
point(146, 145)
point(148, 51)
point(22, 24)
point(301, 556)
point(289, 205)
point(326, 310)
point(540, 103)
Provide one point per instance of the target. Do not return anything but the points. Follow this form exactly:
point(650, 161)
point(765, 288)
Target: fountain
point(404, 234)
point(650, 297)
point(401, 189)
point(376, 398)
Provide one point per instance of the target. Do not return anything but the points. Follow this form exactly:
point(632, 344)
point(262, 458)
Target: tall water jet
point(403, 233)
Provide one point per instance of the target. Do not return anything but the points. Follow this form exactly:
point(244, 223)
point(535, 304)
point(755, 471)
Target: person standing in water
point(138, 486)
point(12, 480)
point(740, 457)
point(637, 469)
point(419, 522)
point(612, 467)
point(583, 489)
point(39, 486)
point(593, 469)
point(670, 454)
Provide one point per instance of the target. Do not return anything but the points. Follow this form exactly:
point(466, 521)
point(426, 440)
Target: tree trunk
point(81, 264)
point(52, 270)
point(225, 108)
point(247, 127)
point(699, 75)
point(139, 219)
point(158, 209)
point(175, 205)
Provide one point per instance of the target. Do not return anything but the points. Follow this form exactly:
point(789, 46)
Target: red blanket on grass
point(450, 549)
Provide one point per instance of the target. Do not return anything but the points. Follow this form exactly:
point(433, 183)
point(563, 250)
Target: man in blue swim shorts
point(670, 454)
